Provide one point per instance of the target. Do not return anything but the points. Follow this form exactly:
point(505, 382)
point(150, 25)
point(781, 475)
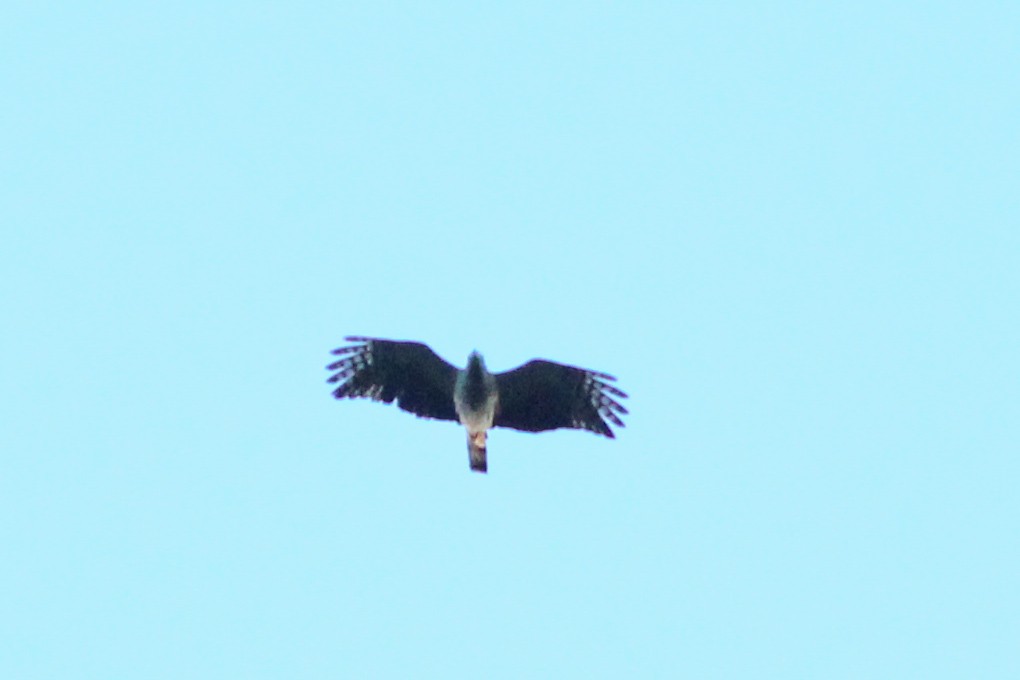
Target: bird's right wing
point(418, 379)
point(543, 395)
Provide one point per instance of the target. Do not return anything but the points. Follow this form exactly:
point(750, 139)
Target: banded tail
point(476, 451)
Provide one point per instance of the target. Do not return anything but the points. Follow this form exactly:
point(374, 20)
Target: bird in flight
point(538, 396)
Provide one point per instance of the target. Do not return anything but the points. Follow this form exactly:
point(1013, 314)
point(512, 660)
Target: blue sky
point(790, 231)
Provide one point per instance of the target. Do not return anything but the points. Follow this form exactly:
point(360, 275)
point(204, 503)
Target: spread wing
point(386, 370)
point(542, 395)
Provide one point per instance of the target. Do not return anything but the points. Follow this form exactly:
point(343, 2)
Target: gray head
point(475, 362)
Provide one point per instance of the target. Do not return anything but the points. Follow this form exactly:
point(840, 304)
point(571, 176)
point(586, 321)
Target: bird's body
point(475, 398)
point(540, 395)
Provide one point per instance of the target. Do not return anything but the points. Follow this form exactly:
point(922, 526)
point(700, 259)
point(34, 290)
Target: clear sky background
point(791, 231)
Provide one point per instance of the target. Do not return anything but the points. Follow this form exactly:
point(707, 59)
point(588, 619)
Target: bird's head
point(475, 363)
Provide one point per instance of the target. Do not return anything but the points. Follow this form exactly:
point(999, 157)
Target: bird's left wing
point(543, 395)
point(418, 379)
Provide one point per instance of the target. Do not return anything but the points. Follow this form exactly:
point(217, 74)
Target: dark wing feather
point(384, 370)
point(542, 395)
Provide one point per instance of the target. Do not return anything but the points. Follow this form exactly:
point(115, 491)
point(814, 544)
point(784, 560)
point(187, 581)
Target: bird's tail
point(476, 451)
